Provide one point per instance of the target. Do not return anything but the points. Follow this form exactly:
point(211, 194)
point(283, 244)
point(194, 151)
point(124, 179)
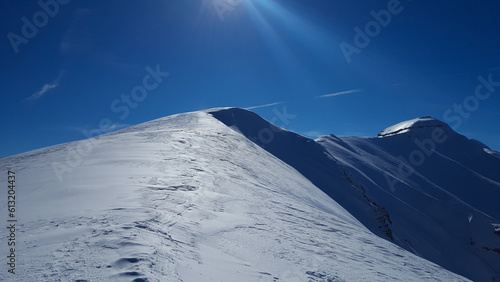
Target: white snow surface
point(414, 124)
point(441, 190)
point(186, 198)
point(423, 186)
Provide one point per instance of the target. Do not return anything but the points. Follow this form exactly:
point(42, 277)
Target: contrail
point(339, 93)
point(266, 105)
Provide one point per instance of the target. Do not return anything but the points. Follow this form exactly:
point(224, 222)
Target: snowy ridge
point(441, 207)
point(190, 198)
point(361, 177)
point(311, 160)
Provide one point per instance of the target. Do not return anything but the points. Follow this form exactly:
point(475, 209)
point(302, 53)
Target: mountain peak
point(412, 125)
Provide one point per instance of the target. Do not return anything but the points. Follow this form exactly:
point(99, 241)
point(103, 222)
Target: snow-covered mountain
point(440, 189)
point(420, 185)
point(224, 195)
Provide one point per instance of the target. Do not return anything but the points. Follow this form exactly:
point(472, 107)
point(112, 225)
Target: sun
point(223, 7)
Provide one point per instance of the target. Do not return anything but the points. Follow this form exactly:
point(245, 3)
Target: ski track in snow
point(185, 198)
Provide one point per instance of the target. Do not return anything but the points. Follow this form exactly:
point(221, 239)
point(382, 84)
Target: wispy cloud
point(266, 105)
point(46, 87)
point(340, 93)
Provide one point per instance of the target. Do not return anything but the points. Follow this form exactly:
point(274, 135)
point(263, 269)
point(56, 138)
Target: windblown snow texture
point(443, 207)
point(190, 198)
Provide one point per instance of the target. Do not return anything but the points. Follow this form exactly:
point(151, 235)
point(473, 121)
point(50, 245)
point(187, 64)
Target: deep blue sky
point(426, 59)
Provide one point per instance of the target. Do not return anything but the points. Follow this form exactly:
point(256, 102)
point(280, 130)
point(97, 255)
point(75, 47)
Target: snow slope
point(440, 189)
point(186, 198)
point(444, 207)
